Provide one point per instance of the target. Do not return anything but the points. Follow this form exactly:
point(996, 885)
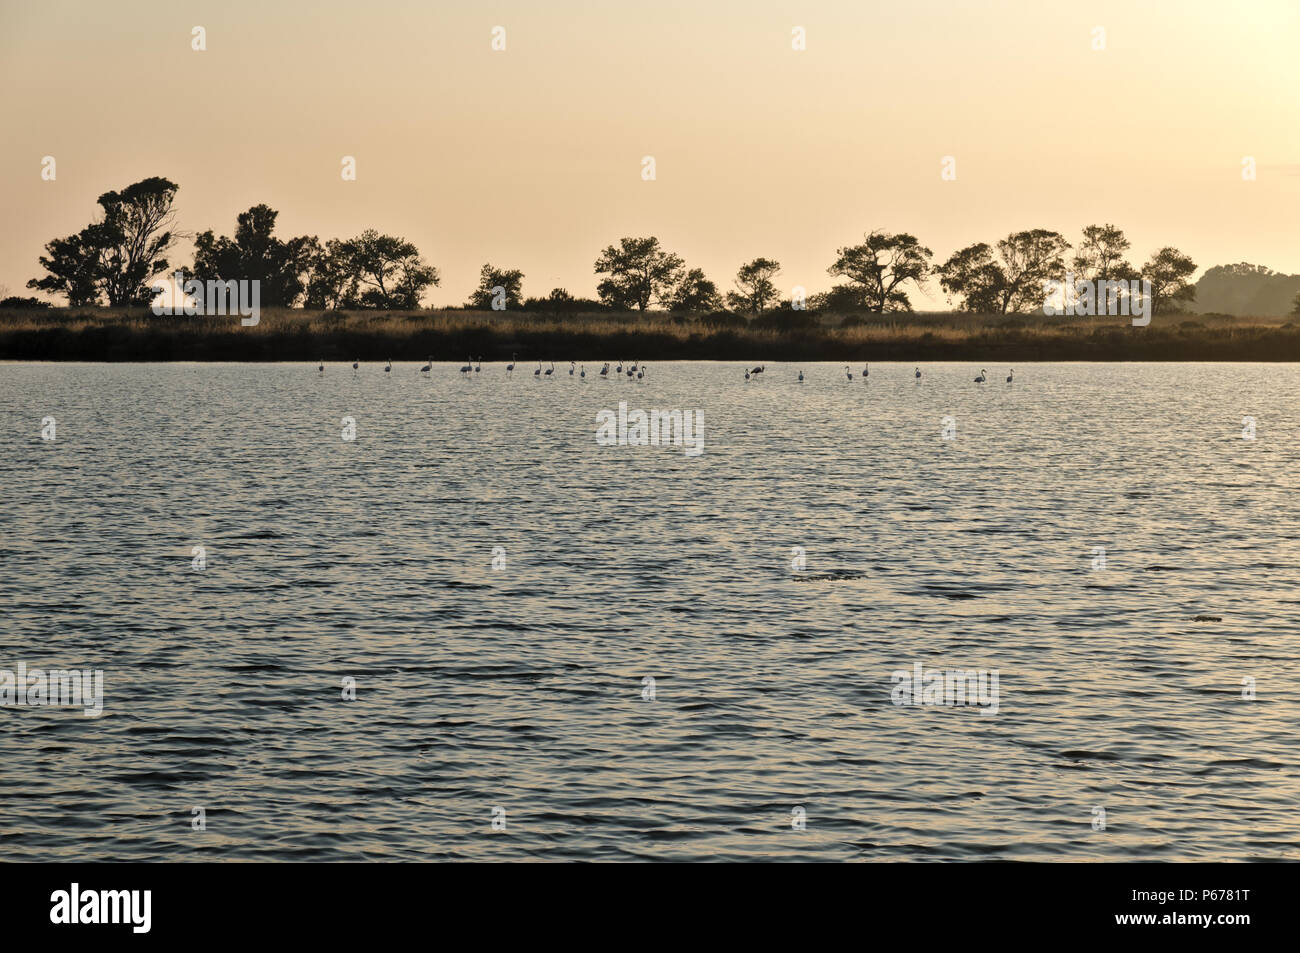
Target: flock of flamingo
point(635, 370)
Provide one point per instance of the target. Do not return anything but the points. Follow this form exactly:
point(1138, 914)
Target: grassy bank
point(104, 334)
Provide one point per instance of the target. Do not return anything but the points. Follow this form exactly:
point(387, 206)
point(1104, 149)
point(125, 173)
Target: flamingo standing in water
point(571, 366)
point(478, 368)
point(801, 377)
point(538, 372)
point(389, 368)
point(848, 373)
point(468, 366)
point(747, 374)
point(865, 371)
point(604, 371)
point(640, 375)
point(918, 373)
point(322, 367)
point(550, 370)
point(510, 368)
point(1010, 374)
point(356, 364)
point(428, 366)
point(983, 376)
point(583, 371)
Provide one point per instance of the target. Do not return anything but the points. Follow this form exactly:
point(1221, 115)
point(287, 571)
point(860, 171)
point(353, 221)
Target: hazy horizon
point(530, 157)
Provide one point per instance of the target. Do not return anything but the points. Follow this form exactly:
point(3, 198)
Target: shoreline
point(107, 335)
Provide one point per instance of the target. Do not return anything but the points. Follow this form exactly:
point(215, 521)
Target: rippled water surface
point(521, 688)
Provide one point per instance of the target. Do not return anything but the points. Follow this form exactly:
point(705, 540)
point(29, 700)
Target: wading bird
point(801, 377)
point(848, 373)
point(356, 364)
point(428, 366)
point(984, 375)
point(572, 364)
point(865, 371)
point(583, 372)
point(1010, 374)
point(389, 368)
point(478, 368)
point(640, 375)
point(510, 368)
point(918, 373)
point(550, 370)
point(538, 372)
point(468, 366)
point(322, 367)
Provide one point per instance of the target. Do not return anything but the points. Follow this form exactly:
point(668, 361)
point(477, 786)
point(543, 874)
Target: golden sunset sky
point(530, 158)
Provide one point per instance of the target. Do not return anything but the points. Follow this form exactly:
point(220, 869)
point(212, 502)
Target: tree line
point(119, 257)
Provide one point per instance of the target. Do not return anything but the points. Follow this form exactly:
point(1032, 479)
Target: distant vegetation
point(1247, 290)
point(121, 257)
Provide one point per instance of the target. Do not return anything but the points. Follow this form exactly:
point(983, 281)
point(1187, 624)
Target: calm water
point(521, 688)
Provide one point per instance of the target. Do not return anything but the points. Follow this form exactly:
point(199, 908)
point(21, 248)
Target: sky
point(531, 157)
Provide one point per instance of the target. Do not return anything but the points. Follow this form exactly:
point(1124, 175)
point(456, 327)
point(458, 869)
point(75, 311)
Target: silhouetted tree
point(379, 271)
point(640, 273)
point(754, 287)
point(880, 266)
point(694, 294)
point(1011, 280)
point(1168, 271)
point(256, 255)
point(510, 281)
point(118, 256)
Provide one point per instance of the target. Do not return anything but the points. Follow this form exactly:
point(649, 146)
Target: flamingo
point(550, 370)
point(428, 366)
point(983, 376)
point(389, 368)
point(801, 377)
point(322, 367)
point(758, 370)
point(619, 369)
point(848, 373)
point(478, 368)
point(865, 372)
point(538, 372)
point(583, 371)
point(640, 375)
point(356, 364)
point(571, 365)
point(1010, 374)
point(918, 373)
point(510, 368)
point(747, 373)
point(604, 371)
point(469, 365)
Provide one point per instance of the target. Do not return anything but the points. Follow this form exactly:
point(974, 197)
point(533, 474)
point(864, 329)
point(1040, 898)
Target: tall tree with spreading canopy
point(639, 273)
point(694, 293)
point(119, 256)
point(383, 271)
point(1168, 271)
point(880, 266)
point(511, 281)
point(755, 290)
point(255, 254)
point(1010, 280)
